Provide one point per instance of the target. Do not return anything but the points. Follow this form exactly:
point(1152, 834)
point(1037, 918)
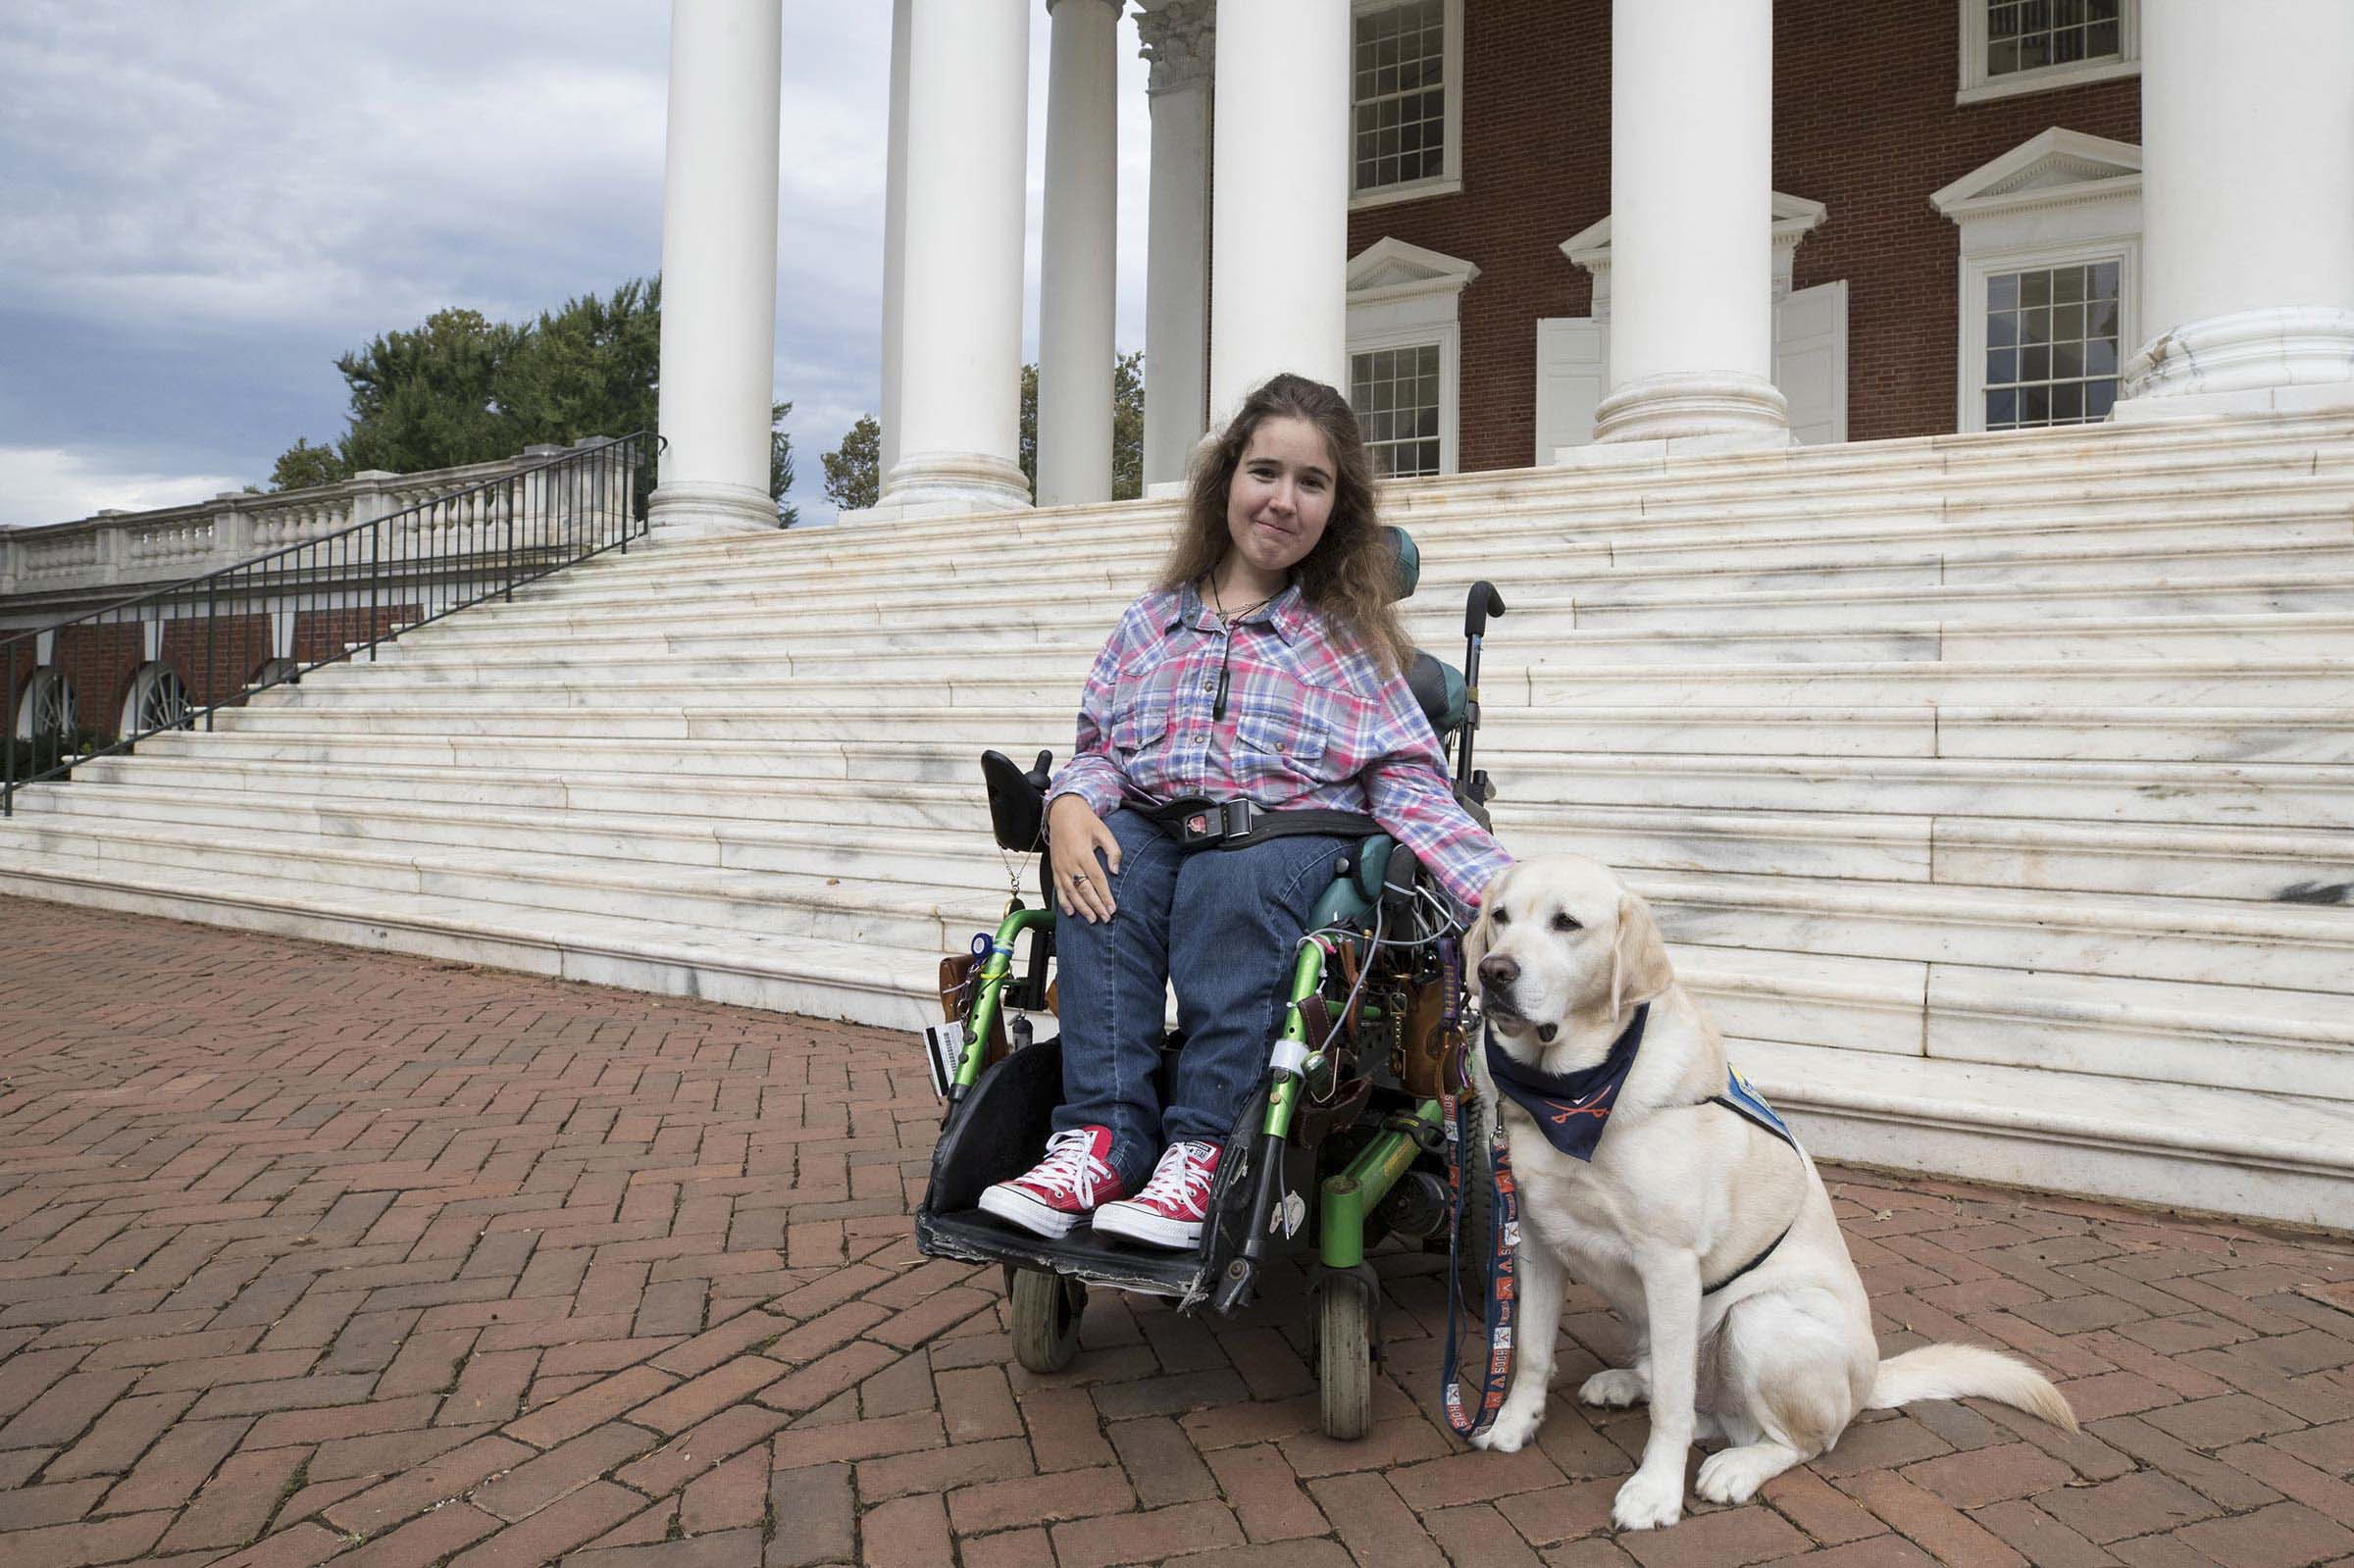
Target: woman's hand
point(1076, 835)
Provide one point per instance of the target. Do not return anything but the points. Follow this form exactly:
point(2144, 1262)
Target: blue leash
point(1455, 1101)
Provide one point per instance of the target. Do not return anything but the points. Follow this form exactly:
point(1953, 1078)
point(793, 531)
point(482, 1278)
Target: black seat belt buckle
point(1241, 817)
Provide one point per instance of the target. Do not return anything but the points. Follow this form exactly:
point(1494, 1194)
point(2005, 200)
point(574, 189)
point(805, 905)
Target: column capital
point(1181, 40)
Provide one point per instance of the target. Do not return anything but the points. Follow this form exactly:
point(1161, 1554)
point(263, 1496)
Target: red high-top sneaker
point(1061, 1189)
point(1168, 1211)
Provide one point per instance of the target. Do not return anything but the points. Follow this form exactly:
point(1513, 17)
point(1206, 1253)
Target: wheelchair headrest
point(1410, 560)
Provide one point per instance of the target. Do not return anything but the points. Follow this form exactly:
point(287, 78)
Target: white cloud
point(44, 484)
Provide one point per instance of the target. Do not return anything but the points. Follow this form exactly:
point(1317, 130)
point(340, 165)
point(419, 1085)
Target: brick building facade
point(1866, 121)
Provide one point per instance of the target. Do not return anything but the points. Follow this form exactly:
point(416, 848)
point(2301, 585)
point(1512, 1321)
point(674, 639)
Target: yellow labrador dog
point(1712, 1236)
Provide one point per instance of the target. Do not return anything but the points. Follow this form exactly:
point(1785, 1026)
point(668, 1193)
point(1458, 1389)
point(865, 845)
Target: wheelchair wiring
point(1446, 924)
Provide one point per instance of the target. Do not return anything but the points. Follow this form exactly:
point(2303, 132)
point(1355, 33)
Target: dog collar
point(1570, 1109)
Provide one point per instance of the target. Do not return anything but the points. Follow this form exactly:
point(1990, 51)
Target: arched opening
point(157, 700)
point(47, 706)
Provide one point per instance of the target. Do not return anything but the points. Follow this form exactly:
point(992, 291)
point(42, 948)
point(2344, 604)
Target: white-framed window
point(2052, 341)
point(2049, 285)
point(2016, 46)
point(1406, 354)
point(1396, 394)
point(1405, 100)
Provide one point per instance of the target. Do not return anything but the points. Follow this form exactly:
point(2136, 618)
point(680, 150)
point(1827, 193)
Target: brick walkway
point(310, 1254)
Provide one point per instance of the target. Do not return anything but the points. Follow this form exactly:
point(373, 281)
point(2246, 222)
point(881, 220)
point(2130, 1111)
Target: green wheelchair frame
point(1376, 1163)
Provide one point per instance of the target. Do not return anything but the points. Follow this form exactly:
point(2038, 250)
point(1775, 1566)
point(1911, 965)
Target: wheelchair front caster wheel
point(1344, 1365)
point(1045, 1319)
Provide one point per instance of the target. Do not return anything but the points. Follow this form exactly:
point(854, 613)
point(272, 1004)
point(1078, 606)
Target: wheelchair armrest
point(1017, 800)
point(1353, 892)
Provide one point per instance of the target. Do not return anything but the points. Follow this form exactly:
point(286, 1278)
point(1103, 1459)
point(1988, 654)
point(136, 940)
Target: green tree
point(462, 388)
point(1127, 427)
point(303, 465)
point(853, 470)
point(431, 397)
point(780, 465)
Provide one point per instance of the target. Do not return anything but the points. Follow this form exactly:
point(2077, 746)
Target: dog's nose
point(1498, 973)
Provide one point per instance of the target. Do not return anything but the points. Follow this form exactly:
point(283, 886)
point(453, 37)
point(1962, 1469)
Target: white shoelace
point(1071, 1167)
point(1183, 1169)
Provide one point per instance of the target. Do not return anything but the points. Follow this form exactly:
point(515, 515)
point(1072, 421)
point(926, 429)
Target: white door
point(1573, 370)
point(1809, 361)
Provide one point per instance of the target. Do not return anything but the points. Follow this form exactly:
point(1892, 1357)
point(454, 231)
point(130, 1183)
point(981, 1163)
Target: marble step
point(2122, 734)
point(930, 785)
point(2290, 1022)
point(757, 655)
point(2161, 939)
point(1528, 783)
point(1583, 546)
point(2031, 563)
point(2089, 458)
point(642, 623)
point(653, 707)
point(929, 839)
point(847, 895)
point(2232, 1149)
point(1772, 1006)
point(788, 974)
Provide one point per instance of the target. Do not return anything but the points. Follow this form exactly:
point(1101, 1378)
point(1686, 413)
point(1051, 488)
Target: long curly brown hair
point(1351, 576)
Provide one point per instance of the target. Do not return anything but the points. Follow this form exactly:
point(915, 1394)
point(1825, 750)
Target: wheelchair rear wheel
point(1045, 1319)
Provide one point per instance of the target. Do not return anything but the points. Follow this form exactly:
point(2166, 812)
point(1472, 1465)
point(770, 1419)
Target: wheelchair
point(1341, 1143)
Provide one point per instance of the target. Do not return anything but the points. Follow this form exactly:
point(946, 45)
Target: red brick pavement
point(308, 1254)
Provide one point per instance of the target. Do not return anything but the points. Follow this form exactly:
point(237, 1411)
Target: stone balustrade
point(128, 551)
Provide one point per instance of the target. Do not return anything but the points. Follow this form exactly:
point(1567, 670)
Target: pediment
point(1794, 218)
point(1396, 268)
point(2047, 169)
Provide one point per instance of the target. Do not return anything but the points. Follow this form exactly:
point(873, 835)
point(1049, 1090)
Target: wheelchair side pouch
point(960, 988)
point(1425, 1053)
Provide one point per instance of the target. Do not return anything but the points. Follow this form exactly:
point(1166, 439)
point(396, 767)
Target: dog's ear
point(1638, 958)
point(1475, 941)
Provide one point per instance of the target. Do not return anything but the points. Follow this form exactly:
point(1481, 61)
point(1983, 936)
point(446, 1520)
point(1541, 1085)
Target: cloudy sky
point(203, 202)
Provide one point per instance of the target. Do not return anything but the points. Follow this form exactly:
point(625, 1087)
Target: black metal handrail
point(346, 593)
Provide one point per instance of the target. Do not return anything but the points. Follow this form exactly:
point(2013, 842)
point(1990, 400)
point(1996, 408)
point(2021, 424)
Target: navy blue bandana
point(1570, 1109)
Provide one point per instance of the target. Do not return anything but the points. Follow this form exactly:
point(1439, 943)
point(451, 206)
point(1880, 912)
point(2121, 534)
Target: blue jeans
point(1222, 926)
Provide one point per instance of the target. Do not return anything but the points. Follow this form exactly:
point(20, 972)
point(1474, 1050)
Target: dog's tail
point(1966, 1371)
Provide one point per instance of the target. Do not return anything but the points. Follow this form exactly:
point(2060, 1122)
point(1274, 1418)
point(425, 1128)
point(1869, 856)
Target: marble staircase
point(1996, 791)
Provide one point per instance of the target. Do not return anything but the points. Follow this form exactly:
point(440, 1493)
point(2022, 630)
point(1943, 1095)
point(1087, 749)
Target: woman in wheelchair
point(1266, 667)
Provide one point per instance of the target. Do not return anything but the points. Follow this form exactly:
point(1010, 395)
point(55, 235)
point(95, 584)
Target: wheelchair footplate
point(1001, 1130)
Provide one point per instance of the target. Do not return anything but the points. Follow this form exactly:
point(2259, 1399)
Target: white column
point(894, 236)
point(2247, 117)
point(1076, 273)
point(1279, 256)
point(1691, 225)
point(960, 353)
point(1179, 36)
point(719, 267)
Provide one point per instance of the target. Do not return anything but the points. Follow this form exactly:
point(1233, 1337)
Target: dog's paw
point(1736, 1474)
point(1511, 1431)
point(1617, 1388)
point(1649, 1501)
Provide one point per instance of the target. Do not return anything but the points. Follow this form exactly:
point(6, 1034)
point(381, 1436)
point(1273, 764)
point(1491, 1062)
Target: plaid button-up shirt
point(1311, 723)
